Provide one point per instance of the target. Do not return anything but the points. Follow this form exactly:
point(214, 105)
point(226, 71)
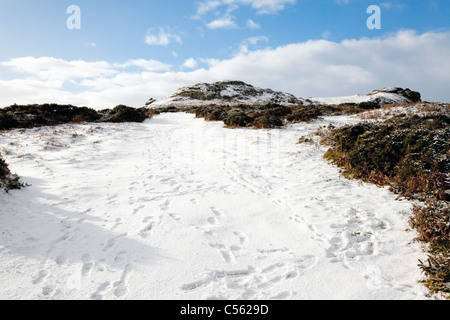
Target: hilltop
point(239, 92)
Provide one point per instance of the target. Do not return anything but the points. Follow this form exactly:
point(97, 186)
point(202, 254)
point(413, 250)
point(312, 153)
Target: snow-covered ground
point(180, 208)
point(381, 96)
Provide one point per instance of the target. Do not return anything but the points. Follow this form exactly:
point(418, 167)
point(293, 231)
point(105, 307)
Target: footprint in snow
point(227, 253)
point(147, 231)
point(121, 287)
point(97, 295)
point(48, 290)
point(87, 264)
point(243, 238)
point(216, 212)
point(175, 217)
point(41, 276)
point(111, 242)
point(166, 205)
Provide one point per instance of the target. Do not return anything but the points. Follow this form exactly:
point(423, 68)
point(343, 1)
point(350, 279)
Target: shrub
point(8, 122)
point(433, 225)
point(267, 122)
point(123, 113)
point(8, 181)
point(409, 152)
point(412, 155)
point(304, 114)
point(272, 115)
point(369, 105)
point(29, 116)
point(277, 110)
point(217, 115)
point(238, 119)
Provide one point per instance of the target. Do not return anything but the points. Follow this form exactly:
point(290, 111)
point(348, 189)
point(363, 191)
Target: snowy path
point(178, 208)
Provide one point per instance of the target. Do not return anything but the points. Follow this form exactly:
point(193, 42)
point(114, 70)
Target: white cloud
point(148, 65)
point(342, 1)
point(225, 7)
point(161, 38)
point(266, 6)
point(326, 34)
point(316, 68)
point(190, 63)
point(393, 6)
point(226, 22)
point(207, 6)
point(52, 68)
point(253, 25)
point(261, 6)
point(245, 45)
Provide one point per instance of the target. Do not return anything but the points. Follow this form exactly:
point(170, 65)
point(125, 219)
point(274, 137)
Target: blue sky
point(183, 42)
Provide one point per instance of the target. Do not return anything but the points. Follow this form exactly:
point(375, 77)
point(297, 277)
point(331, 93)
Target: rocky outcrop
point(238, 92)
point(224, 92)
point(412, 96)
point(379, 96)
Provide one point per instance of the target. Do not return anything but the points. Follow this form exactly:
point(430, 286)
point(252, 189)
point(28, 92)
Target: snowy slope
point(224, 92)
point(381, 97)
point(180, 208)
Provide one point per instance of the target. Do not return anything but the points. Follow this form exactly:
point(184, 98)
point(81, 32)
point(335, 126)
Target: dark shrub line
point(29, 116)
point(273, 115)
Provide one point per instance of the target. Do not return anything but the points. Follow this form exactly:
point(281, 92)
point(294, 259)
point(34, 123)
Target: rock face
point(238, 92)
point(224, 92)
point(412, 96)
point(380, 96)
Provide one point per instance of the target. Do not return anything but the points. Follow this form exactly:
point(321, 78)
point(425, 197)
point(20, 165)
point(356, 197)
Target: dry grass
point(408, 110)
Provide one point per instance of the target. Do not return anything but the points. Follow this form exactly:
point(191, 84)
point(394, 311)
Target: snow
point(383, 96)
point(179, 208)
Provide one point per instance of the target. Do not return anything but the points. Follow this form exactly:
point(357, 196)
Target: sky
point(110, 52)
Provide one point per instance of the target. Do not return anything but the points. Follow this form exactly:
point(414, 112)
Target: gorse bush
point(29, 116)
point(123, 113)
point(273, 115)
point(8, 181)
point(239, 119)
point(433, 225)
point(412, 156)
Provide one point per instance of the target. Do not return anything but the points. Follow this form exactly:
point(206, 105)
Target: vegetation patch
point(123, 113)
point(29, 116)
point(273, 115)
point(8, 181)
point(411, 154)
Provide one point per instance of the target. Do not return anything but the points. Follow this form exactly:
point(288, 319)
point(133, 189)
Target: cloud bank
point(316, 68)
